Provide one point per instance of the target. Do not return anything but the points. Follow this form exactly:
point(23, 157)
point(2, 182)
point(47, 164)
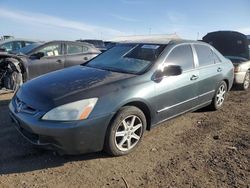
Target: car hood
point(67, 85)
point(237, 60)
point(229, 43)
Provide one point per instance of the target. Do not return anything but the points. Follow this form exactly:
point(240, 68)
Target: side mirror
point(172, 70)
point(169, 70)
point(37, 55)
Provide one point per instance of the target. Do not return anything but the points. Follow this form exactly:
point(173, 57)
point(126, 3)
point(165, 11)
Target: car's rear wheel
point(246, 82)
point(219, 97)
point(126, 131)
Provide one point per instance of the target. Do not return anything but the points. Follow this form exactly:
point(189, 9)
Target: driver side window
point(52, 50)
point(183, 56)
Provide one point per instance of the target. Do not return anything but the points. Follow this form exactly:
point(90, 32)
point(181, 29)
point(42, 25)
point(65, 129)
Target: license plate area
point(34, 138)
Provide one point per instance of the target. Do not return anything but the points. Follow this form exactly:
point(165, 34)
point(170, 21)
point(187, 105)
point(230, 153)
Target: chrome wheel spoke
point(129, 143)
point(120, 133)
point(125, 124)
point(135, 128)
point(133, 121)
point(122, 142)
point(135, 136)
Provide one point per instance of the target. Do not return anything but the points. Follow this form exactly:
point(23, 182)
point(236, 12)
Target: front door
point(53, 60)
point(178, 94)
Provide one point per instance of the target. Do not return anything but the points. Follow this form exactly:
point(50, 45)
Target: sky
point(107, 19)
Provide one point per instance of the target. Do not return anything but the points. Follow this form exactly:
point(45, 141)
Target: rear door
point(178, 94)
point(76, 54)
point(53, 60)
point(210, 71)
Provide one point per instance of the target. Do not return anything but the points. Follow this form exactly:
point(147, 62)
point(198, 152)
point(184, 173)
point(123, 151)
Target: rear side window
point(76, 49)
point(182, 56)
point(206, 56)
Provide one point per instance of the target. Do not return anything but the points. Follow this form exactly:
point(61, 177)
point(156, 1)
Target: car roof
point(162, 41)
point(74, 42)
point(154, 39)
point(17, 39)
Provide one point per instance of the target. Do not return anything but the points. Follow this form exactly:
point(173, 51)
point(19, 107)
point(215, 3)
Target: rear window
point(76, 49)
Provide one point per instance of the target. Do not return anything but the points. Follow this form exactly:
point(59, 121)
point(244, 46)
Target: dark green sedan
point(109, 102)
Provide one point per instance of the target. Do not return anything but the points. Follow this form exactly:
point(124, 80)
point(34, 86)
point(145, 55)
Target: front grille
point(23, 107)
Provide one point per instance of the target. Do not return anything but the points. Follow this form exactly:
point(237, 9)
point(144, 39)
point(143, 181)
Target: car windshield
point(128, 58)
point(26, 50)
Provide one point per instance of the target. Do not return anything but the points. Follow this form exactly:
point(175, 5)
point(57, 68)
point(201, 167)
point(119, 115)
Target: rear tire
point(219, 97)
point(125, 131)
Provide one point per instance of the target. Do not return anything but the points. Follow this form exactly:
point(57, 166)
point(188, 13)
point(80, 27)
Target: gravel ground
point(199, 149)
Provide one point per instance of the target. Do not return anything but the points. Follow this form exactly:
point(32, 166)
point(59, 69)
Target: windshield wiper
point(117, 70)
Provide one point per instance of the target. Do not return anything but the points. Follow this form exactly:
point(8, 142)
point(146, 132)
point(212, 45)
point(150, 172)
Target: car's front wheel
point(13, 80)
point(126, 131)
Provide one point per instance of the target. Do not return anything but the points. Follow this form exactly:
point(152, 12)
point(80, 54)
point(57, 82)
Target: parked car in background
point(233, 45)
point(99, 44)
point(109, 44)
point(40, 58)
point(11, 45)
point(110, 101)
point(4, 37)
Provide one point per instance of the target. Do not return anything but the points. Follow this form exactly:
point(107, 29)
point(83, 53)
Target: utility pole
point(149, 30)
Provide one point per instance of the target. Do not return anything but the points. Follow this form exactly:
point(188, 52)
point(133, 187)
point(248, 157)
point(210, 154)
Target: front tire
point(13, 80)
point(125, 131)
point(219, 97)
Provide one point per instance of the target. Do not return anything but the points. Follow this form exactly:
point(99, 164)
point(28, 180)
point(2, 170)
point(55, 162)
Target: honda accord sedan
point(109, 102)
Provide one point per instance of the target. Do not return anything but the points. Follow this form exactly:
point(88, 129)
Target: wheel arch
point(142, 105)
point(227, 82)
point(144, 108)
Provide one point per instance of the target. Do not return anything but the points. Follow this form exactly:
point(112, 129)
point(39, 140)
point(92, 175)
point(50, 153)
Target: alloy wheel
point(128, 133)
point(220, 96)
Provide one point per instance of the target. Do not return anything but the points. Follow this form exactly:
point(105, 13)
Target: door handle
point(59, 61)
point(194, 77)
point(219, 69)
point(85, 58)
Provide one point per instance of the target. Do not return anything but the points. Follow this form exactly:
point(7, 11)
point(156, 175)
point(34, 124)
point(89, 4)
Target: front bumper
point(66, 137)
point(239, 77)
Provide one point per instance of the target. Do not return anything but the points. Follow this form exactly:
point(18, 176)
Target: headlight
point(78, 110)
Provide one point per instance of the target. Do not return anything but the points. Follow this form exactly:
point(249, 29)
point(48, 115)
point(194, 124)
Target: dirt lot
point(200, 149)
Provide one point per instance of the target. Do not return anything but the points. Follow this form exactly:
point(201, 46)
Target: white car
point(241, 72)
point(234, 46)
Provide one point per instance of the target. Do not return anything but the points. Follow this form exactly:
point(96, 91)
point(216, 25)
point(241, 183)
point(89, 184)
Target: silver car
point(234, 46)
